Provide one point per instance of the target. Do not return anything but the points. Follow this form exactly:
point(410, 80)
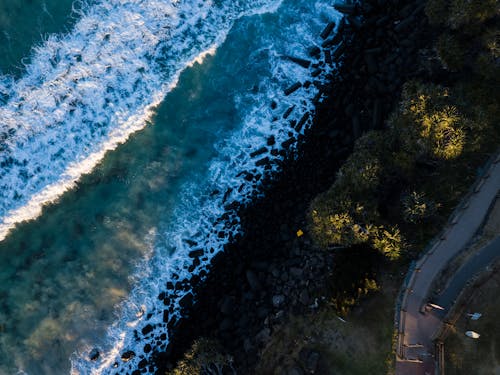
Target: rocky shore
point(273, 269)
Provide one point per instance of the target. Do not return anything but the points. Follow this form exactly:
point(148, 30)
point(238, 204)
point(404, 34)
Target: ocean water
point(125, 139)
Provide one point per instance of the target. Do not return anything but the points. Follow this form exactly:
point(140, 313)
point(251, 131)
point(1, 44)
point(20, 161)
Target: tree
point(427, 125)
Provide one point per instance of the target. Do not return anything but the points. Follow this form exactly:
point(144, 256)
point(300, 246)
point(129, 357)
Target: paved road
point(416, 327)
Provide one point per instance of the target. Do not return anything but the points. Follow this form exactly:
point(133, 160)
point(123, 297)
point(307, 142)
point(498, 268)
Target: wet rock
point(314, 52)
point(258, 152)
point(288, 112)
point(345, 8)
point(196, 253)
point(291, 89)
point(94, 354)
point(128, 355)
point(147, 329)
point(316, 73)
point(302, 62)
point(327, 30)
point(142, 363)
point(186, 302)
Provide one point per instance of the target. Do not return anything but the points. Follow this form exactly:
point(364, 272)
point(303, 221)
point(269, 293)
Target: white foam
point(197, 216)
point(86, 92)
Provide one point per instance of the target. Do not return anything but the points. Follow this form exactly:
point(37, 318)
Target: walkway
point(416, 328)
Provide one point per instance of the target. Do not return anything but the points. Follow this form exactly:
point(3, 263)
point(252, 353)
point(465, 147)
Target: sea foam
point(206, 215)
point(85, 92)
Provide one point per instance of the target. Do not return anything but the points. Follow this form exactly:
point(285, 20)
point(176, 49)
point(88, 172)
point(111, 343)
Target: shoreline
point(269, 272)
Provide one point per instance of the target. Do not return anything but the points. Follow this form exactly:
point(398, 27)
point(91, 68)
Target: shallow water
point(119, 234)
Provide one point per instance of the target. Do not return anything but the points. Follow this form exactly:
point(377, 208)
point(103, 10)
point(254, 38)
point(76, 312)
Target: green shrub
point(417, 207)
point(204, 358)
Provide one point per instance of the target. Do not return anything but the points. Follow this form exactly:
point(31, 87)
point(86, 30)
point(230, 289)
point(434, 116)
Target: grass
point(361, 346)
point(465, 356)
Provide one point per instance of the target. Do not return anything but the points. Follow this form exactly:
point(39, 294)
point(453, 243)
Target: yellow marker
point(300, 233)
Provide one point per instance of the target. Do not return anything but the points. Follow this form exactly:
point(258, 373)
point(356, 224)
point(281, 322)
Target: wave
point(206, 219)
point(87, 91)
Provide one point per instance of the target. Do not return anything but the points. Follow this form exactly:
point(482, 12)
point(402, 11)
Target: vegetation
point(464, 355)
point(204, 358)
point(342, 352)
point(401, 183)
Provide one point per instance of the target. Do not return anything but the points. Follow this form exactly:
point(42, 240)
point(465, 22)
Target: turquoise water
point(24, 24)
point(86, 271)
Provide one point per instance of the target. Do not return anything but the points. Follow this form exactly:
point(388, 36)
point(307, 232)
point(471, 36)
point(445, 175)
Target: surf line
point(86, 92)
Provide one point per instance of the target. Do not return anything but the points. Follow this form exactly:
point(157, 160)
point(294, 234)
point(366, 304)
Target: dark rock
point(295, 370)
point(302, 121)
point(258, 152)
point(142, 363)
point(191, 243)
point(302, 62)
point(304, 298)
point(196, 253)
point(263, 336)
point(94, 354)
point(147, 348)
point(327, 30)
point(227, 306)
point(262, 162)
point(328, 57)
point(278, 300)
point(147, 329)
point(339, 50)
point(314, 52)
point(293, 88)
point(253, 280)
point(312, 362)
point(288, 112)
point(226, 324)
point(186, 302)
point(345, 8)
point(128, 355)
point(316, 73)
point(262, 312)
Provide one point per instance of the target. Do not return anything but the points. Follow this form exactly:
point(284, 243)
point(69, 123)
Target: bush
point(204, 358)
point(416, 207)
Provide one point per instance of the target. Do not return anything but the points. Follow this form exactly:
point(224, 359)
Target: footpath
point(417, 325)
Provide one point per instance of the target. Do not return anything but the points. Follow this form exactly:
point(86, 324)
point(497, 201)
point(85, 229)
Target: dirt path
point(416, 327)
